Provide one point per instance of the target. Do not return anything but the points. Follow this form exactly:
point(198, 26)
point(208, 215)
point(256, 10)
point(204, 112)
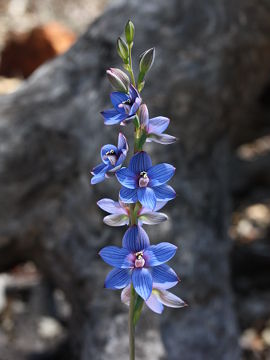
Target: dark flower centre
point(139, 262)
point(143, 179)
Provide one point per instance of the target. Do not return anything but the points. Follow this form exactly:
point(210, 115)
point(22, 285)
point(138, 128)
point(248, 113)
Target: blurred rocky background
point(212, 78)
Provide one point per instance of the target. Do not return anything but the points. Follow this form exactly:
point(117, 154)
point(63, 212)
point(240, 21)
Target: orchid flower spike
point(112, 157)
point(125, 107)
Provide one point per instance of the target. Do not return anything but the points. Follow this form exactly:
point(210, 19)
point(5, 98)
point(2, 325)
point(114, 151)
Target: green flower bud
point(118, 79)
point(129, 32)
point(147, 59)
point(122, 49)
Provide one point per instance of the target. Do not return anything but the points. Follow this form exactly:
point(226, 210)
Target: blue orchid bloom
point(139, 262)
point(125, 107)
point(112, 157)
point(145, 183)
point(155, 127)
point(159, 297)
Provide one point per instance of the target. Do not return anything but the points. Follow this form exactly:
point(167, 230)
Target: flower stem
point(130, 67)
point(131, 324)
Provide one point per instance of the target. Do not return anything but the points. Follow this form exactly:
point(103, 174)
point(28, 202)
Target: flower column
point(139, 268)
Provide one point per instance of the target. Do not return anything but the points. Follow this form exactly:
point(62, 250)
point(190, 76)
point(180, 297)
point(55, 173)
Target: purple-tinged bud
point(118, 79)
point(122, 49)
point(129, 32)
point(147, 59)
point(143, 116)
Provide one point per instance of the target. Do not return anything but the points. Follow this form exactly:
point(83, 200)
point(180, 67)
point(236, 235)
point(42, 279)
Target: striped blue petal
point(158, 124)
point(117, 98)
point(112, 116)
point(135, 239)
point(140, 162)
point(115, 256)
point(118, 279)
point(160, 174)
point(142, 282)
point(164, 274)
point(164, 193)
point(147, 198)
point(128, 195)
point(159, 254)
point(126, 178)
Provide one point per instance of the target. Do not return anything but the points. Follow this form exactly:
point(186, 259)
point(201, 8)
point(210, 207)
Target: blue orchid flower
point(120, 213)
point(155, 127)
point(145, 183)
point(139, 262)
point(159, 297)
point(112, 157)
point(125, 107)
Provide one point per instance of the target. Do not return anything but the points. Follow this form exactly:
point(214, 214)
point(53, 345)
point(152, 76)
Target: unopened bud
point(129, 32)
point(147, 59)
point(118, 79)
point(122, 49)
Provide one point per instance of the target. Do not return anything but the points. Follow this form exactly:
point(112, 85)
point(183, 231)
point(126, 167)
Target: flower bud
point(122, 49)
point(118, 79)
point(129, 32)
point(147, 59)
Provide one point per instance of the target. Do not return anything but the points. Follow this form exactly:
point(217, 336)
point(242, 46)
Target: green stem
point(131, 324)
point(130, 67)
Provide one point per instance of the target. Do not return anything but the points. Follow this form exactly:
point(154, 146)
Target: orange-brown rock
point(24, 52)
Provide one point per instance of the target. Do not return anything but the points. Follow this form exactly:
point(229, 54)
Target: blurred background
point(34, 313)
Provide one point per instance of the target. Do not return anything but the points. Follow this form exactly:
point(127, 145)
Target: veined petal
point(118, 278)
point(97, 178)
point(163, 139)
point(128, 196)
point(170, 300)
point(122, 142)
point(97, 169)
point(116, 220)
point(164, 274)
point(140, 162)
point(153, 218)
point(166, 285)
point(112, 117)
point(117, 98)
point(112, 207)
point(126, 178)
point(133, 93)
point(134, 108)
point(159, 254)
point(142, 282)
point(115, 256)
point(146, 197)
point(159, 205)
point(125, 295)
point(154, 304)
point(160, 174)
point(144, 116)
point(164, 193)
point(135, 239)
point(158, 124)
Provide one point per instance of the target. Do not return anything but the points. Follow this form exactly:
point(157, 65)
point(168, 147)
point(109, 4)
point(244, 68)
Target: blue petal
point(135, 239)
point(112, 117)
point(120, 160)
point(140, 162)
point(115, 256)
point(159, 254)
point(97, 169)
point(117, 98)
point(122, 142)
point(134, 108)
point(142, 282)
point(164, 274)
point(133, 93)
point(158, 124)
point(97, 178)
point(118, 279)
point(164, 193)
point(147, 198)
point(128, 195)
point(160, 174)
point(126, 178)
